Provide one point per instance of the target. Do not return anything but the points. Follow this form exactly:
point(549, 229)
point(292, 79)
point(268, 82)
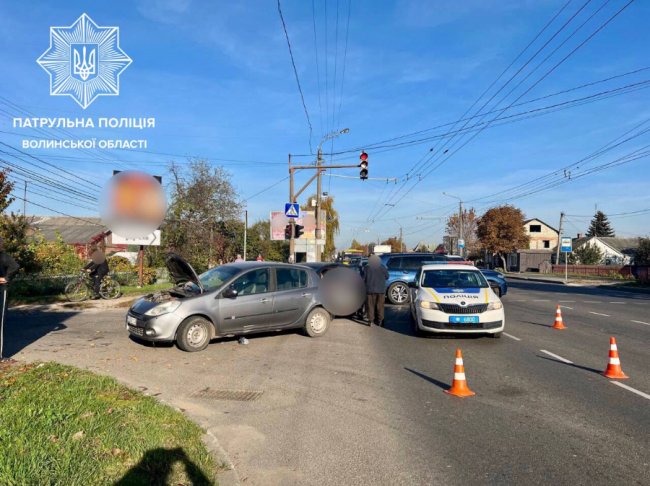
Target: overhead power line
point(55, 211)
point(295, 72)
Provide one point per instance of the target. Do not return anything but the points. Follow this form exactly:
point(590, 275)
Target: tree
point(501, 231)
point(470, 220)
point(642, 255)
point(6, 186)
point(588, 254)
point(395, 245)
point(259, 242)
point(14, 229)
point(203, 220)
point(600, 226)
point(332, 226)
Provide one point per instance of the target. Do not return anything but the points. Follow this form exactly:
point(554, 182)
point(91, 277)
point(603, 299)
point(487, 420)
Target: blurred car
point(493, 277)
point(455, 298)
point(342, 289)
point(227, 300)
point(321, 268)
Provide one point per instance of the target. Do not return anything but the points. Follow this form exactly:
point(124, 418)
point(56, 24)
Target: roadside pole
point(319, 189)
point(245, 231)
point(292, 242)
point(566, 246)
point(141, 266)
point(559, 238)
point(461, 249)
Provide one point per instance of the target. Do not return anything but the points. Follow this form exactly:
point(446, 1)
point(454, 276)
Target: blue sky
point(218, 78)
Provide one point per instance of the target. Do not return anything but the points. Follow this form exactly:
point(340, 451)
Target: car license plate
point(131, 320)
point(463, 319)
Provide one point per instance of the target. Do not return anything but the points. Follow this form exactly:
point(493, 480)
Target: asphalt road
point(365, 405)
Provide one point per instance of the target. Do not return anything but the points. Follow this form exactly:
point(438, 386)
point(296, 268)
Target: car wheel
point(496, 335)
point(193, 334)
point(317, 322)
point(398, 293)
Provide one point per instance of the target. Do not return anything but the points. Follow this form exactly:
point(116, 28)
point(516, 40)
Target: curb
point(121, 303)
point(229, 476)
point(535, 279)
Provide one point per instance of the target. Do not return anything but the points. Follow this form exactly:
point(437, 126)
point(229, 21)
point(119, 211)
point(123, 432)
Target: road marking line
point(641, 322)
point(556, 356)
point(567, 301)
point(566, 307)
point(541, 300)
point(592, 301)
point(599, 314)
point(511, 336)
point(617, 302)
point(633, 390)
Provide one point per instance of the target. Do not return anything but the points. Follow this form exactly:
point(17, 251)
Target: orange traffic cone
point(459, 385)
point(614, 366)
point(558, 319)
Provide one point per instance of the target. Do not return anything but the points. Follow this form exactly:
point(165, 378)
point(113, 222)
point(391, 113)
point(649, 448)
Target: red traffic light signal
point(363, 173)
point(287, 232)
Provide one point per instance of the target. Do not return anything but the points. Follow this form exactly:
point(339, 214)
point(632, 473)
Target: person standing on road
point(97, 267)
point(375, 277)
point(8, 267)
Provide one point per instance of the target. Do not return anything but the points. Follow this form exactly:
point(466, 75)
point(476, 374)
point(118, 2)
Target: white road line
point(633, 390)
point(566, 307)
point(640, 322)
point(592, 301)
point(511, 336)
point(617, 302)
point(541, 300)
point(567, 301)
point(556, 356)
point(599, 314)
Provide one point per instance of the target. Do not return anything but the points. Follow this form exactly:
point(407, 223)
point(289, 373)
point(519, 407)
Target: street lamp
point(461, 251)
point(319, 158)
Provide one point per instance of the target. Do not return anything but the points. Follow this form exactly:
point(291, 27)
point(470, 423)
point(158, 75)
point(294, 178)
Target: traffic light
point(300, 229)
point(287, 232)
point(363, 173)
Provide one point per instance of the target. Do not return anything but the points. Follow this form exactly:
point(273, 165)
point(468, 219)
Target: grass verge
point(63, 425)
point(17, 299)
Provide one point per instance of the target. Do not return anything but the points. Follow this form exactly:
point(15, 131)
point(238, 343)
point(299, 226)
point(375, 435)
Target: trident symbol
point(84, 67)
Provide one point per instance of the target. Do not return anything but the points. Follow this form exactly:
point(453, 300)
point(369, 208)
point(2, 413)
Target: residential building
point(80, 232)
point(616, 251)
point(542, 236)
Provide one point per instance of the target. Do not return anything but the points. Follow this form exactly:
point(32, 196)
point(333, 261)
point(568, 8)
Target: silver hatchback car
point(229, 300)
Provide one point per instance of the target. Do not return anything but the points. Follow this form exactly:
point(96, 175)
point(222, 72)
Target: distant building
point(542, 236)
point(80, 232)
point(616, 251)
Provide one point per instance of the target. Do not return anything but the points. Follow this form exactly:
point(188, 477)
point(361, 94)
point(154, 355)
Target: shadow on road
point(536, 324)
point(155, 468)
point(573, 365)
point(567, 289)
point(440, 384)
point(23, 329)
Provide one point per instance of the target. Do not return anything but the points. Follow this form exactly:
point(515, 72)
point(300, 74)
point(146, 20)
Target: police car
point(453, 298)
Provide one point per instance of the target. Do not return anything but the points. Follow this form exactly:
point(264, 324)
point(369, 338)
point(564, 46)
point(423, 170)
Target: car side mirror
point(229, 293)
point(494, 286)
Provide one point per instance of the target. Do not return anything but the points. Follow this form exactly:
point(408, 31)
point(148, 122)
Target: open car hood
point(181, 271)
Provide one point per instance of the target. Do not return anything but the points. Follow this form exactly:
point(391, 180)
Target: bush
point(127, 274)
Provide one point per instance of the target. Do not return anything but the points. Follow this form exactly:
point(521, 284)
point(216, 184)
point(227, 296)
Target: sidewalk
point(577, 282)
point(101, 304)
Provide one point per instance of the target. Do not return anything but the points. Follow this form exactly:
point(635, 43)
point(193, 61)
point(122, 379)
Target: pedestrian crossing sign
point(291, 210)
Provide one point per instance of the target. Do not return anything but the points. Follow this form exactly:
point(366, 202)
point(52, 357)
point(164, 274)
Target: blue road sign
point(566, 246)
point(292, 210)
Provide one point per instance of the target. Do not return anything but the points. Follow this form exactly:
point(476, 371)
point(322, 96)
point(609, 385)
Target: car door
point(395, 273)
point(292, 295)
point(252, 308)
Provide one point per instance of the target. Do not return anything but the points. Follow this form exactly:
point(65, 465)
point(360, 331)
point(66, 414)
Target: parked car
point(493, 277)
point(232, 299)
point(402, 269)
point(342, 289)
point(455, 298)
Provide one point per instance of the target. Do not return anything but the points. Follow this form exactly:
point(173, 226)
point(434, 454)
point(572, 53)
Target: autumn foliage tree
point(6, 186)
point(501, 231)
point(470, 220)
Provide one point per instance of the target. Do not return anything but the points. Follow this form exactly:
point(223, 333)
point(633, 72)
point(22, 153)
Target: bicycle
point(81, 288)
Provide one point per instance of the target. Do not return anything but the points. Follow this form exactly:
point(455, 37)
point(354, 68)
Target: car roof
point(448, 266)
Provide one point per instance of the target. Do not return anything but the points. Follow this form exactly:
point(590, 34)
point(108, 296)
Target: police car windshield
point(460, 279)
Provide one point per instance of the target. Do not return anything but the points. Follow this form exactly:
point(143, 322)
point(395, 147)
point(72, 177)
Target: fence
point(622, 271)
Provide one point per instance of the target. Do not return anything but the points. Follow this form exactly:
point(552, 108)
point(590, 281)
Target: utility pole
point(318, 201)
point(559, 239)
point(245, 231)
point(292, 242)
point(401, 245)
point(461, 250)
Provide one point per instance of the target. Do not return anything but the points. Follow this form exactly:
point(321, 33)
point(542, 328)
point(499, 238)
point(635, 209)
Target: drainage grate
point(235, 395)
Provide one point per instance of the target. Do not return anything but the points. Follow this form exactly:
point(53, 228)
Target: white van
point(452, 298)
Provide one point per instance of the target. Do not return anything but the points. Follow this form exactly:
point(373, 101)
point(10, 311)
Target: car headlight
point(495, 305)
point(165, 308)
point(426, 304)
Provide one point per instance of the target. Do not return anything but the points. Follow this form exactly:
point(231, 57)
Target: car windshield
point(464, 279)
point(217, 276)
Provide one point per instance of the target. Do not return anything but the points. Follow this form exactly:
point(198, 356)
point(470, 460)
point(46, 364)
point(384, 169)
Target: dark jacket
point(8, 266)
point(97, 268)
point(375, 278)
